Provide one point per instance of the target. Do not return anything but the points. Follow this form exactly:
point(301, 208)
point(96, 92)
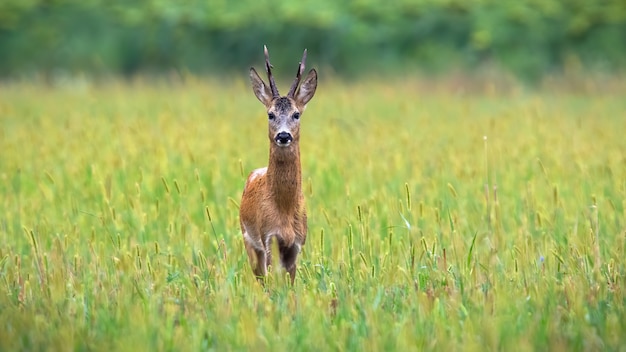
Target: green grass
point(119, 219)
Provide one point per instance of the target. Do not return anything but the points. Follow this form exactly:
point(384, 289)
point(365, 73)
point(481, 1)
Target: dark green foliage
point(528, 38)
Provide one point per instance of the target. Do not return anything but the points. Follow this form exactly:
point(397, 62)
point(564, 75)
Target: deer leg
point(288, 257)
point(268, 253)
point(258, 260)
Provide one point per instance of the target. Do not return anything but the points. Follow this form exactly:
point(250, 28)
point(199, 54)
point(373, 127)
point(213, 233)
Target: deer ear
point(307, 89)
point(260, 89)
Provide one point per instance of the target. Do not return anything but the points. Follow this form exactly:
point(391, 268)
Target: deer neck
point(284, 176)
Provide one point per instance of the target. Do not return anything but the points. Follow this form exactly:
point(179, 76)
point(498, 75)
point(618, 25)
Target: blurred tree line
point(527, 37)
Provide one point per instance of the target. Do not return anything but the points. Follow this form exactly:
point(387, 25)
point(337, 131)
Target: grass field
point(439, 219)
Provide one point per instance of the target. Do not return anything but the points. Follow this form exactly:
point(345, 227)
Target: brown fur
point(272, 203)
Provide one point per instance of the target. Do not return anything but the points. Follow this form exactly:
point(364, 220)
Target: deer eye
point(296, 115)
point(271, 115)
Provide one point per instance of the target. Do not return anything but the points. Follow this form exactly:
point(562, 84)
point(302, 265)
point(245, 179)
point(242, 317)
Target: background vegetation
point(529, 38)
point(444, 213)
point(439, 220)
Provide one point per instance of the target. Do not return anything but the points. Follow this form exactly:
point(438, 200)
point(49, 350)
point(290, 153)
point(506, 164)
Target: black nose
point(283, 138)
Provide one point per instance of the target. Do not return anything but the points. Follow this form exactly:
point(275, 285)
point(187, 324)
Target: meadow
point(441, 217)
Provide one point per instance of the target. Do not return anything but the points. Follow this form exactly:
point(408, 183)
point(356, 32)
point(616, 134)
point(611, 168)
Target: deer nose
point(283, 138)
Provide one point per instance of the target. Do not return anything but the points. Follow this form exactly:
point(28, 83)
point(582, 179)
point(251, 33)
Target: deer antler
point(268, 68)
point(296, 82)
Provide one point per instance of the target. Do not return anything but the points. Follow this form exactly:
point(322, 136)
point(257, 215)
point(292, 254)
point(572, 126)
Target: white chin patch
point(283, 144)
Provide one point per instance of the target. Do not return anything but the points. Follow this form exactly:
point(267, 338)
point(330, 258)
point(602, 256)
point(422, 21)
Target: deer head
point(284, 112)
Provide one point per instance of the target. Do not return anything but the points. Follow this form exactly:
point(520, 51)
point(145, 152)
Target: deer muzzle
point(283, 139)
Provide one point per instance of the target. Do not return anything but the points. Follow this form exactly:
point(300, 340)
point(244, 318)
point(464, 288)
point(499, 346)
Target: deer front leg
point(288, 257)
point(258, 260)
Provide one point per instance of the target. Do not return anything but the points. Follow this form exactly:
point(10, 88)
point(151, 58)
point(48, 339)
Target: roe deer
point(272, 204)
